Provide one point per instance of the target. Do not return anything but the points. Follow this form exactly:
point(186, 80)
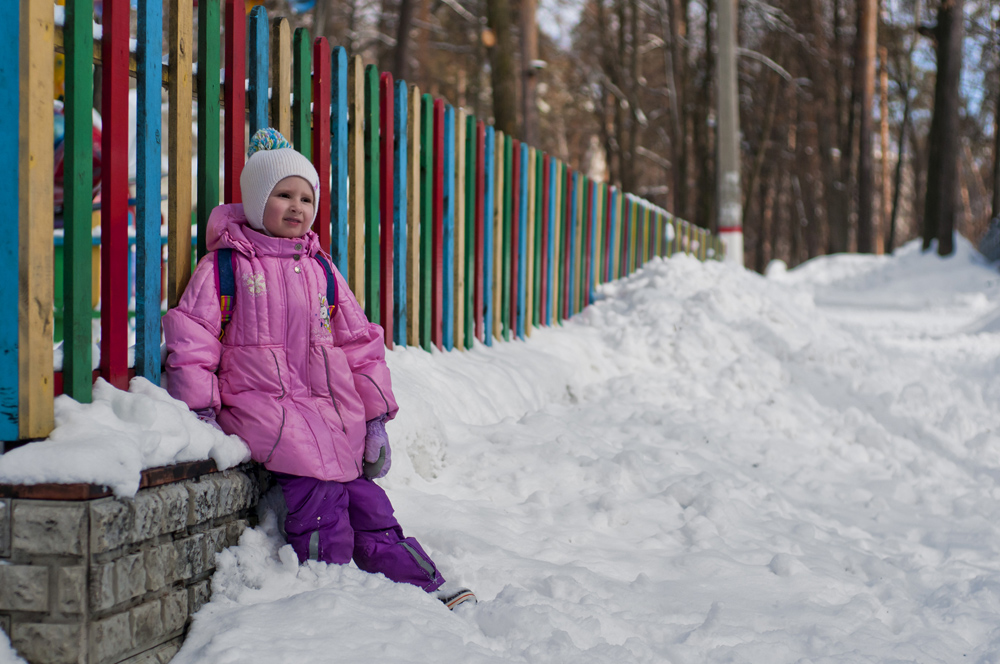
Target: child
point(301, 379)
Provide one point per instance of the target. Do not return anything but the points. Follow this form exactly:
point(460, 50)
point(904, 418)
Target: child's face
point(288, 211)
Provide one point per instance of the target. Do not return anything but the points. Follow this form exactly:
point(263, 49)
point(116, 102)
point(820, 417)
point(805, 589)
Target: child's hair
point(271, 159)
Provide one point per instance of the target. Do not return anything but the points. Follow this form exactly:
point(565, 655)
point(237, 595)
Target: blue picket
point(448, 308)
point(149, 36)
point(522, 242)
point(571, 296)
point(612, 238)
point(489, 174)
point(550, 270)
point(591, 246)
point(399, 215)
point(10, 45)
point(338, 158)
point(257, 40)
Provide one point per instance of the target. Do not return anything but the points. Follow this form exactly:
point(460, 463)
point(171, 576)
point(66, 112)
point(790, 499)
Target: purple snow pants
point(334, 522)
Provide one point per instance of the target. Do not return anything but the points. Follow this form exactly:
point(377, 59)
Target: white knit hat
point(270, 160)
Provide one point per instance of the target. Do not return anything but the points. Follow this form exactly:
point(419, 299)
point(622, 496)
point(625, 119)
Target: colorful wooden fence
point(448, 232)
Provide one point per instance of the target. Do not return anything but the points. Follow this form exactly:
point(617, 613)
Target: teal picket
point(522, 238)
point(399, 214)
point(257, 39)
point(448, 310)
point(489, 208)
point(338, 158)
point(10, 58)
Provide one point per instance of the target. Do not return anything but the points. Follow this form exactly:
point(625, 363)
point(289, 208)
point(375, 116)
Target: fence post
point(11, 31)
point(387, 204)
point(480, 267)
point(78, 196)
point(489, 235)
point(281, 76)
point(356, 173)
point(450, 249)
point(437, 235)
point(426, 218)
point(234, 151)
point(371, 188)
point(302, 96)
point(321, 137)
point(414, 203)
point(339, 152)
point(499, 205)
point(401, 195)
point(147, 210)
point(508, 235)
point(208, 115)
point(523, 257)
point(455, 146)
point(257, 88)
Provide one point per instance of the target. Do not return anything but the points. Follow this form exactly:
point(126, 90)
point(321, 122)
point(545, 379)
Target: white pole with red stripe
point(730, 197)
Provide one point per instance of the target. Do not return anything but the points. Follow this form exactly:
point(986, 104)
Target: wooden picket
point(446, 230)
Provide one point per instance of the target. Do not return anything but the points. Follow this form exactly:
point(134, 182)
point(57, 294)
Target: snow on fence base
point(109, 580)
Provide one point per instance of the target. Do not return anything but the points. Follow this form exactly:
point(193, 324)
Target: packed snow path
point(705, 466)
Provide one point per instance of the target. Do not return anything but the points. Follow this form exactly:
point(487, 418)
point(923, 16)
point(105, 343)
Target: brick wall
point(114, 580)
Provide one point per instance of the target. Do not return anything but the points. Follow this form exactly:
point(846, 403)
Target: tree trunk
point(941, 204)
point(897, 181)
point(996, 155)
point(679, 78)
point(529, 74)
point(706, 180)
point(401, 56)
point(502, 73)
point(865, 66)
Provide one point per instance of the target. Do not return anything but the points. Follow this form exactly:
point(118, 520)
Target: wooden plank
point(148, 264)
point(78, 196)
point(448, 247)
point(387, 203)
point(558, 183)
point(550, 217)
point(234, 92)
point(574, 266)
point(208, 114)
point(339, 155)
point(489, 280)
point(437, 238)
point(114, 196)
point(413, 204)
point(468, 266)
point(515, 233)
point(508, 235)
point(480, 244)
point(427, 170)
point(456, 268)
point(588, 243)
point(11, 188)
point(523, 257)
point(538, 250)
point(356, 173)
point(569, 208)
point(530, 265)
point(302, 95)
point(614, 242)
point(34, 232)
point(281, 76)
point(400, 208)
point(372, 188)
point(179, 149)
point(498, 232)
point(321, 95)
point(258, 65)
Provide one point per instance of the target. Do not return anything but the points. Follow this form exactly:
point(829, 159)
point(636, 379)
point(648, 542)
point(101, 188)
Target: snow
point(706, 465)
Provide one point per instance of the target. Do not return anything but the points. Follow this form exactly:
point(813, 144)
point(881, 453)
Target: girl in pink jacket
point(301, 379)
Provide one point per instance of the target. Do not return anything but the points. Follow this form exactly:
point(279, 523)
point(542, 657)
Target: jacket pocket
point(333, 394)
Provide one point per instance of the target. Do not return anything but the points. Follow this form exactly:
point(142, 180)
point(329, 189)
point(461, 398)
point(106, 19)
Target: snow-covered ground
point(705, 466)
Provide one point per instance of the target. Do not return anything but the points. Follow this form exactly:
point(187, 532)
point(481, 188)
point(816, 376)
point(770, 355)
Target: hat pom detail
point(267, 139)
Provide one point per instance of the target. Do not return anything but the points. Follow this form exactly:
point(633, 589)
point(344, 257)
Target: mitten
point(378, 456)
point(207, 415)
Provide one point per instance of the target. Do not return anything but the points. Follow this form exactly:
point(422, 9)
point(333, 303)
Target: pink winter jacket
point(293, 383)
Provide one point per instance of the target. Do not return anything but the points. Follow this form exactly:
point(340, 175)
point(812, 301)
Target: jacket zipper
point(277, 368)
point(379, 391)
point(280, 429)
point(329, 386)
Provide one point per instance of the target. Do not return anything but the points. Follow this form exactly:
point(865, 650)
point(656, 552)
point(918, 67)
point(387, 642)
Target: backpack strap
point(331, 284)
point(225, 284)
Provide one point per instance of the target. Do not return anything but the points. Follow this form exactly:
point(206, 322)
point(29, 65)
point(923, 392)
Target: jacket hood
point(228, 228)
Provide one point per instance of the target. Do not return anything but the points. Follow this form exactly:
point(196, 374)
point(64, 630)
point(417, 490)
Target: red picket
point(114, 195)
point(321, 95)
point(234, 92)
point(437, 194)
point(387, 154)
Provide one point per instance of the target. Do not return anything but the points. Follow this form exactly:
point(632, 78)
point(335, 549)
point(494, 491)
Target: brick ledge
point(150, 477)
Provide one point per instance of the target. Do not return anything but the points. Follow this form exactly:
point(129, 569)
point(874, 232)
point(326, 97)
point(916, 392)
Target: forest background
point(841, 148)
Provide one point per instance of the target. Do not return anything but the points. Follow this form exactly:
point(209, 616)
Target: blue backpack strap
point(225, 283)
point(331, 284)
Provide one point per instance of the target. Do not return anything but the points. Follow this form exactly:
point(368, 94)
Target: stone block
point(48, 644)
point(215, 541)
point(111, 524)
point(160, 654)
point(190, 556)
point(160, 510)
point(244, 492)
point(102, 587)
point(71, 589)
point(5, 528)
point(201, 593)
point(24, 588)
point(203, 500)
point(110, 638)
point(234, 530)
point(160, 563)
point(41, 528)
point(147, 624)
point(130, 577)
point(175, 610)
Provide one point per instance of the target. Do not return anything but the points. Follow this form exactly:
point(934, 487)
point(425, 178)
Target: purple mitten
point(377, 454)
point(207, 415)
